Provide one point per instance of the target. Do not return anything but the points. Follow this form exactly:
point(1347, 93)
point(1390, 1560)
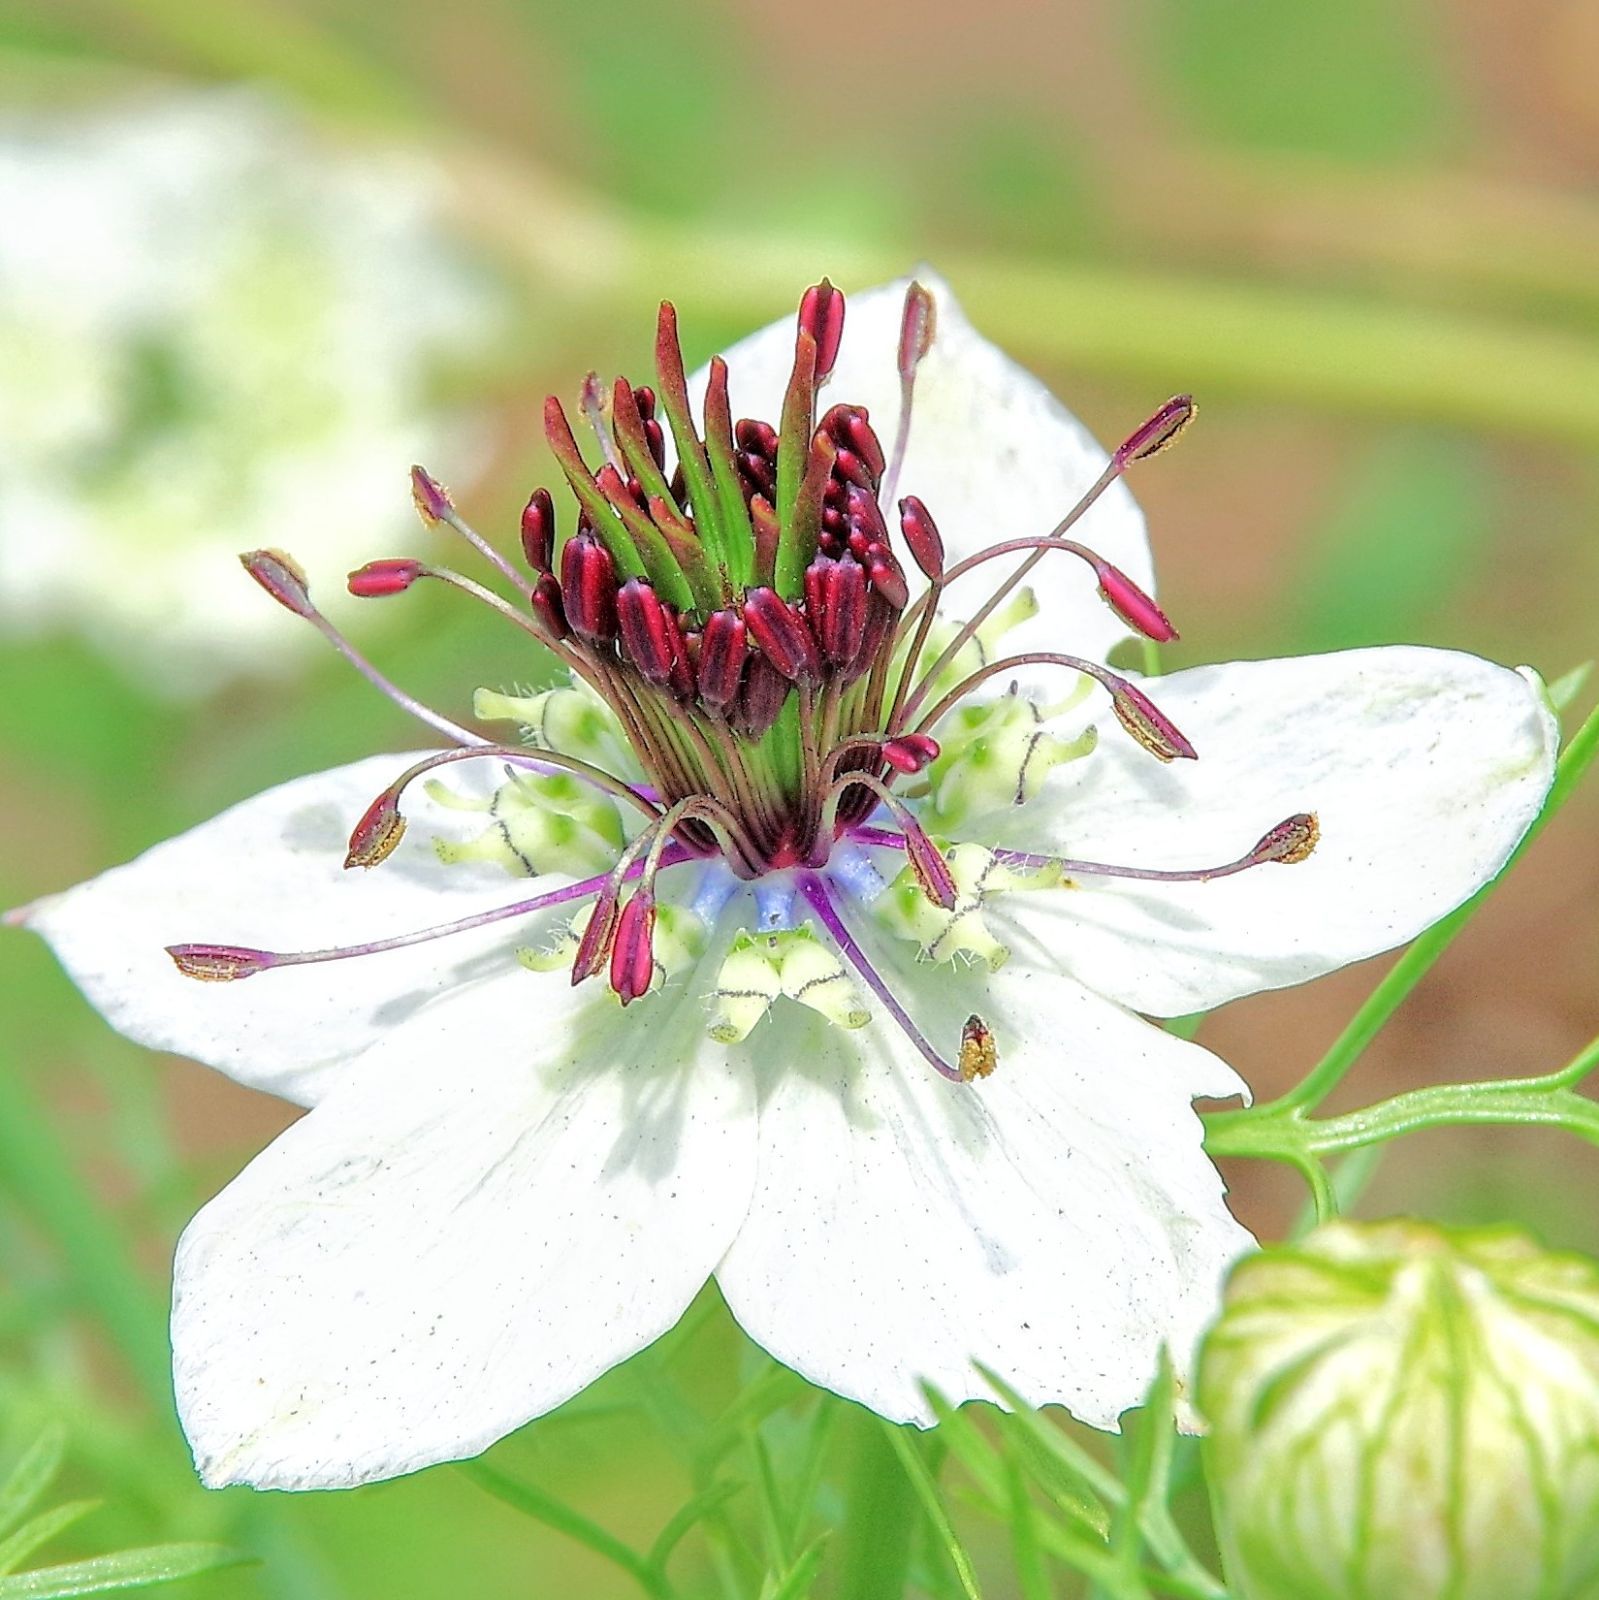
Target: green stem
point(35, 1166)
point(1293, 1136)
point(554, 1514)
point(1418, 959)
point(880, 1517)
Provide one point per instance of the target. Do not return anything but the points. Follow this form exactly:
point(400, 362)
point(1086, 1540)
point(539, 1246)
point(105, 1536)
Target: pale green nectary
point(1398, 1412)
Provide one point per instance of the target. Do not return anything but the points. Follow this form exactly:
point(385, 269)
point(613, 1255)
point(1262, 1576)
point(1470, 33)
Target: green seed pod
point(1399, 1411)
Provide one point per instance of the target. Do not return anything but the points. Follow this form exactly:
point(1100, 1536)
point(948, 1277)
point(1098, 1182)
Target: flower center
point(744, 616)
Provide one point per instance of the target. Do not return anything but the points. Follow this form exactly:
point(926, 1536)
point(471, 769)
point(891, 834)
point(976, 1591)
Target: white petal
point(269, 874)
point(506, 1199)
point(1057, 1221)
point(992, 452)
point(1425, 768)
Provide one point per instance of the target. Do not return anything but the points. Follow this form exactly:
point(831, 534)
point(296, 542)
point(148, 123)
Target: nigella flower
point(843, 911)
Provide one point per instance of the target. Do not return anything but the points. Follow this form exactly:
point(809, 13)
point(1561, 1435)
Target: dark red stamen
point(379, 578)
point(432, 501)
point(538, 531)
point(633, 952)
point(910, 752)
point(280, 575)
point(780, 633)
point(549, 609)
point(761, 699)
point(821, 315)
point(1161, 430)
point(588, 589)
point(922, 537)
point(723, 649)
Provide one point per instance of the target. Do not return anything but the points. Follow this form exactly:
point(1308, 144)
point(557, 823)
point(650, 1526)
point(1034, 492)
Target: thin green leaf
point(926, 1488)
point(687, 1517)
point(774, 1525)
point(1568, 685)
point(40, 1531)
point(965, 1441)
point(31, 1476)
point(796, 1584)
point(565, 1519)
point(127, 1569)
point(1149, 1459)
point(809, 1477)
point(1032, 1576)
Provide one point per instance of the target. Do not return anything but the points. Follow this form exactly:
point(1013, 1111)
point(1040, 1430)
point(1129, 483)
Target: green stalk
point(880, 1517)
point(35, 1166)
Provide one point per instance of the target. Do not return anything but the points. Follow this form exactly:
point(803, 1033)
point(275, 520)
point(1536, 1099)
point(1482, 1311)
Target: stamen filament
point(1291, 841)
point(1113, 470)
point(1137, 713)
point(814, 890)
point(197, 960)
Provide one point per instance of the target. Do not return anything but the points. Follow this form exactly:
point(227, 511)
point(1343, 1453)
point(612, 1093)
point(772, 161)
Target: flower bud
point(1397, 1410)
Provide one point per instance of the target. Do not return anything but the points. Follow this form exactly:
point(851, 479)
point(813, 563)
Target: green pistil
point(794, 549)
point(735, 516)
point(715, 538)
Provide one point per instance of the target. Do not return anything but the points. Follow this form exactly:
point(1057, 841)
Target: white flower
point(507, 1183)
point(211, 326)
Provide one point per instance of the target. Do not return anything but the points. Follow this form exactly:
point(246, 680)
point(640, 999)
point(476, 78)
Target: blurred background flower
point(218, 331)
point(1364, 234)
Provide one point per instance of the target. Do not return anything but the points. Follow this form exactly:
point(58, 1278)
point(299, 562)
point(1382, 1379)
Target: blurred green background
point(1365, 235)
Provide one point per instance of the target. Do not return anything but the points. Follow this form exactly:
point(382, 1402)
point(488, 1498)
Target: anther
point(917, 324)
point(432, 500)
point(282, 577)
point(779, 632)
point(835, 598)
point(651, 636)
point(538, 531)
point(910, 753)
point(1293, 840)
point(588, 589)
point(761, 698)
point(599, 936)
point(549, 608)
point(633, 950)
point(821, 315)
point(1159, 432)
point(1137, 609)
point(722, 651)
point(393, 575)
point(219, 963)
point(376, 836)
point(1148, 724)
point(922, 537)
point(978, 1056)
